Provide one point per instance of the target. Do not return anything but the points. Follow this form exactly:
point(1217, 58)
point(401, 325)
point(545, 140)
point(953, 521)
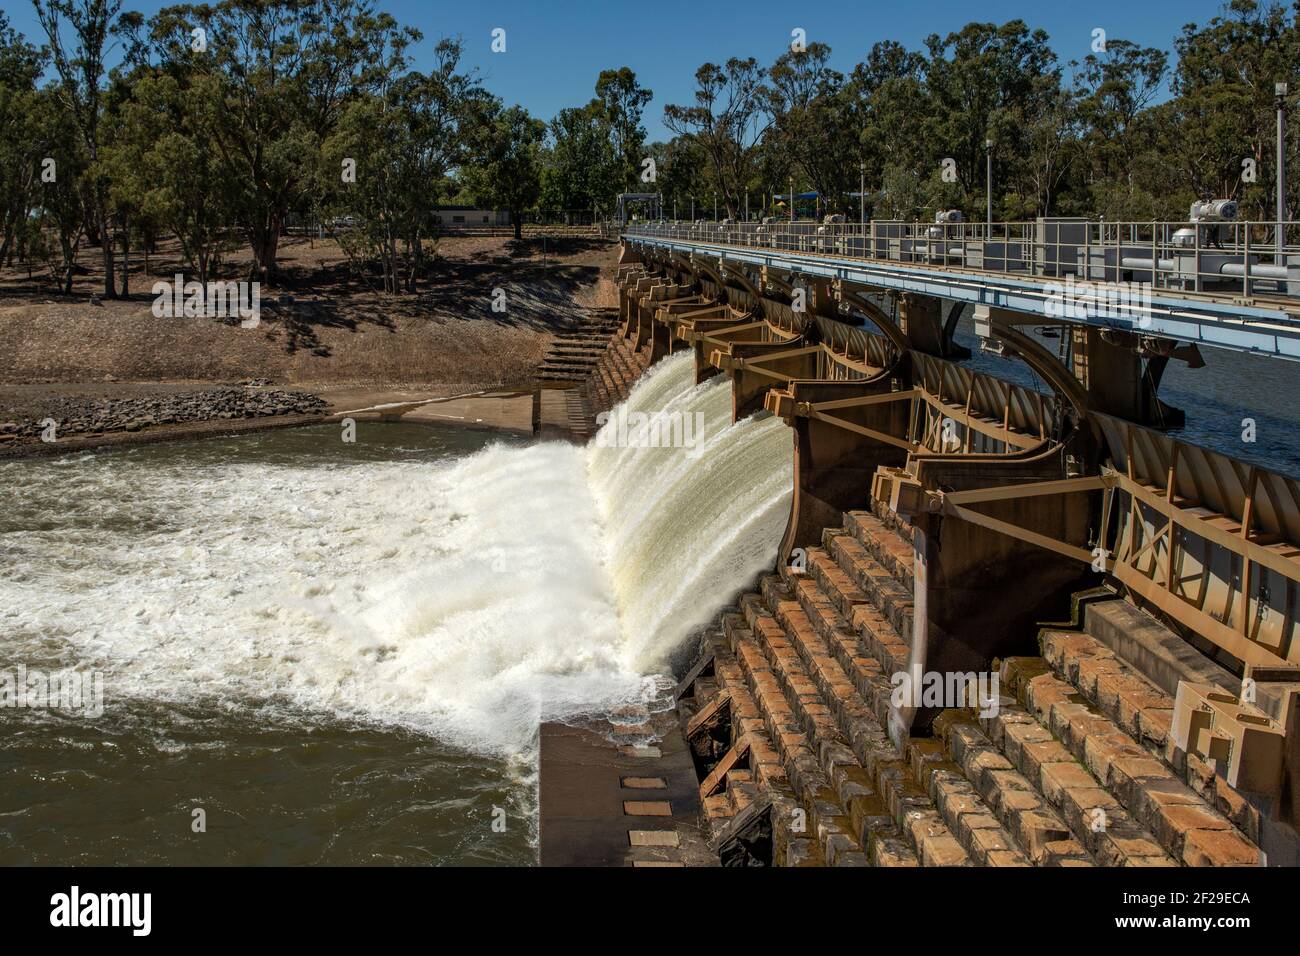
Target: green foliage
point(619, 103)
point(404, 140)
point(232, 139)
point(727, 123)
point(24, 133)
point(1096, 144)
point(506, 170)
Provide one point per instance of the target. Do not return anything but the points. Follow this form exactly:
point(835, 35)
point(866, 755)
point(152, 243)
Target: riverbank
point(110, 373)
point(512, 411)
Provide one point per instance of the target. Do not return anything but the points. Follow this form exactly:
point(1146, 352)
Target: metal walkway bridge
point(1226, 285)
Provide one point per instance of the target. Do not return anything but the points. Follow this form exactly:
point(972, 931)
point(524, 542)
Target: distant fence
point(316, 231)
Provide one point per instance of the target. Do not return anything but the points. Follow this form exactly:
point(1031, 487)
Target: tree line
point(221, 124)
point(1124, 132)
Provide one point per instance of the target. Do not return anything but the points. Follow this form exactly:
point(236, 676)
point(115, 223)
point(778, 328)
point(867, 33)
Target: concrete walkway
point(505, 410)
point(620, 795)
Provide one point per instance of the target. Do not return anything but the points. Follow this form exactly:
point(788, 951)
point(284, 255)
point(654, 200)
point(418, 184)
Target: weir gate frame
point(1042, 488)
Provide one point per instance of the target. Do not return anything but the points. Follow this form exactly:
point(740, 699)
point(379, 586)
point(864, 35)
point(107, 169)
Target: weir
point(1136, 597)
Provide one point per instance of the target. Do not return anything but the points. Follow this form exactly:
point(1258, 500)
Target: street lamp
point(862, 192)
point(792, 199)
point(1280, 91)
point(988, 183)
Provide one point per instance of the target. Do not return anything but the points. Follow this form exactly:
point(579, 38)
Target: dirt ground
point(325, 327)
point(322, 322)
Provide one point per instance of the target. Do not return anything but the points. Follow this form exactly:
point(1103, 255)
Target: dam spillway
point(939, 517)
point(685, 527)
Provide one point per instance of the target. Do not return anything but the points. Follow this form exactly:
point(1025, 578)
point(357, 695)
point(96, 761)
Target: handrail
point(1250, 259)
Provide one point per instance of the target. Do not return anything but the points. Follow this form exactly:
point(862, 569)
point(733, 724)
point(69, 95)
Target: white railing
point(1237, 258)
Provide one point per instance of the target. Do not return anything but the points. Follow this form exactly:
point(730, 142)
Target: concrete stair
point(767, 771)
point(612, 377)
point(1111, 725)
point(1145, 712)
point(1069, 769)
point(574, 353)
point(959, 811)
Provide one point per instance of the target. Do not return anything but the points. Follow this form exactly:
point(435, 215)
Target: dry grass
point(323, 323)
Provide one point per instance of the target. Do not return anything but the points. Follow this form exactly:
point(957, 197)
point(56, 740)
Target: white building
point(469, 216)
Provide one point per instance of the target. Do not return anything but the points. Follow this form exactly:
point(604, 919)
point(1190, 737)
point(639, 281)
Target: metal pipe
point(988, 183)
point(903, 717)
point(862, 192)
point(1281, 90)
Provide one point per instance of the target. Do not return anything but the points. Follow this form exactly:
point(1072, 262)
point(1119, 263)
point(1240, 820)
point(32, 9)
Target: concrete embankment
point(619, 794)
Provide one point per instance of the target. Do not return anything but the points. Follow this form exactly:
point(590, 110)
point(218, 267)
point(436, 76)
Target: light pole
point(862, 192)
point(1280, 91)
point(792, 200)
point(988, 183)
point(715, 207)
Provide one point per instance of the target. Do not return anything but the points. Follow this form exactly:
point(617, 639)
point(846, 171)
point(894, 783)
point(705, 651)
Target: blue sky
point(554, 50)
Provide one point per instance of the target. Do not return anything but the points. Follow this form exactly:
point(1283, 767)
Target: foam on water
point(685, 529)
point(469, 599)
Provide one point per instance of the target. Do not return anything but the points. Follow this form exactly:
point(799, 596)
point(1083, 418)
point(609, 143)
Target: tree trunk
point(126, 258)
point(110, 281)
point(69, 258)
point(266, 245)
point(519, 225)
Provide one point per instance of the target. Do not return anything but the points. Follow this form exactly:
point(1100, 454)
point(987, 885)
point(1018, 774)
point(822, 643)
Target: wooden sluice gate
point(939, 517)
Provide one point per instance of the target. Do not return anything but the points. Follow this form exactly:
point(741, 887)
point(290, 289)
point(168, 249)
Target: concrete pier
point(619, 795)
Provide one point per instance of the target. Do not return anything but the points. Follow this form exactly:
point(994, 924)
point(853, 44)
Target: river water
point(320, 652)
point(1218, 398)
point(340, 653)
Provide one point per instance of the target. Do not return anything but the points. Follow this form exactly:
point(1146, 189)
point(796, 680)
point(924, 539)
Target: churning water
point(341, 653)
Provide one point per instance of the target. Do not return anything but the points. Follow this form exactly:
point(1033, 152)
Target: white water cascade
point(686, 528)
point(468, 598)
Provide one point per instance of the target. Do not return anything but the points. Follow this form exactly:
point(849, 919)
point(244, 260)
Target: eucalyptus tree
point(894, 108)
point(1222, 113)
point(60, 200)
point(582, 168)
point(77, 33)
point(728, 122)
point(404, 140)
point(21, 65)
point(164, 171)
point(505, 172)
point(816, 119)
point(621, 101)
point(680, 173)
point(1116, 88)
point(277, 77)
point(987, 82)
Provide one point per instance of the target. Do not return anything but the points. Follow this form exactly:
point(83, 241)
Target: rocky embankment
point(89, 416)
